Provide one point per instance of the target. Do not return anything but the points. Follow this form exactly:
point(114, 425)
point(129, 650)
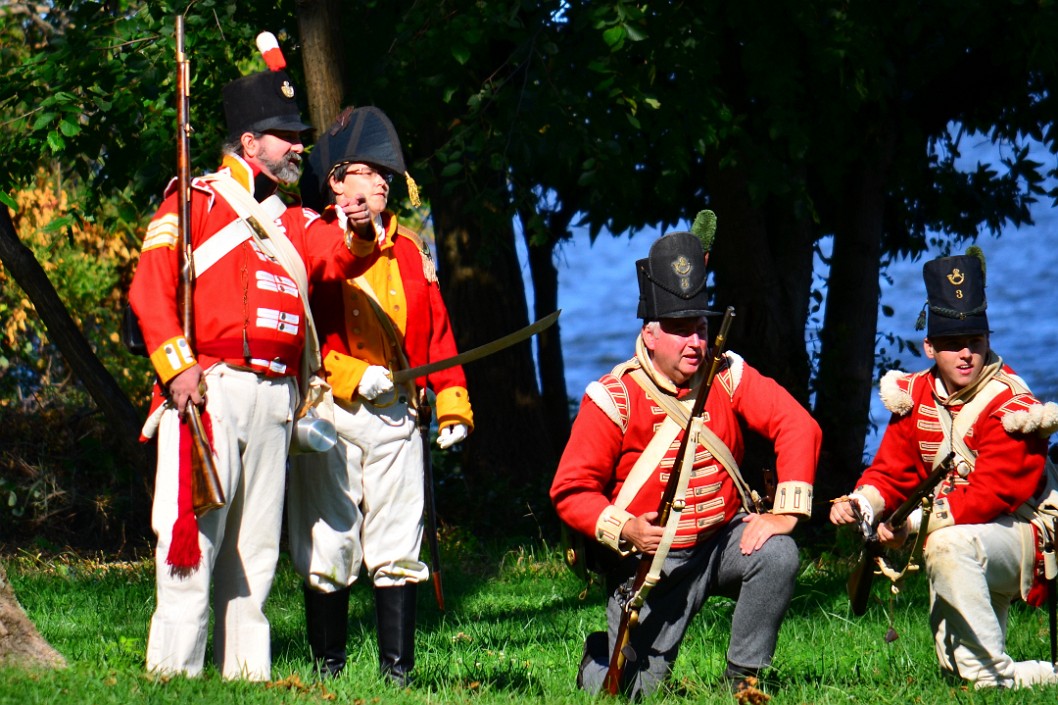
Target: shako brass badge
point(681, 266)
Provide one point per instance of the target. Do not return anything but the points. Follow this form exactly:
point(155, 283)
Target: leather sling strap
point(677, 410)
point(262, 224)
point(673, 523)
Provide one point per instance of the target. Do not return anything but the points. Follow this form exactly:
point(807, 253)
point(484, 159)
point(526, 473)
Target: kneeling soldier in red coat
point(620, 455)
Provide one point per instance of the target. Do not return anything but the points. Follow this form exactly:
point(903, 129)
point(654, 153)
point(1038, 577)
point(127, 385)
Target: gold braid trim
point(413, 190)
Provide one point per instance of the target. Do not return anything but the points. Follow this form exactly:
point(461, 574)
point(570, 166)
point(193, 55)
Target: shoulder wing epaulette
point(730, 374)
point(895, 390)
point(1024, 413)
point(611, 396)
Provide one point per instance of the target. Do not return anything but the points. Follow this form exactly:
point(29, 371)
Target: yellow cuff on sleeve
point(172, 357)
point(453, 406)
point(793, 498)
point(608, 528)
point(343, 374)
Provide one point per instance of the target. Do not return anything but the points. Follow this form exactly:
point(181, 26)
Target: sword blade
point(402, 376)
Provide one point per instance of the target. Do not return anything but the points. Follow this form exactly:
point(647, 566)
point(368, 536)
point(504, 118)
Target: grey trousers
point(761, 583)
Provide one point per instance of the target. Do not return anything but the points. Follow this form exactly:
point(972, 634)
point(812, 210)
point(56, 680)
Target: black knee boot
point(327, 625)
point(395, 613)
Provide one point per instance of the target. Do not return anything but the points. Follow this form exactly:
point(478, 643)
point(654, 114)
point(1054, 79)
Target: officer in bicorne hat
point(253, 258)
point(362, 503)
point(621, 453)
point(978, 549)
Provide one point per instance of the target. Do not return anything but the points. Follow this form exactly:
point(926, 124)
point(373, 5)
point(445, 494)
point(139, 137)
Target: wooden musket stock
point(206, 491)
point(862, 576)
point(630, 617)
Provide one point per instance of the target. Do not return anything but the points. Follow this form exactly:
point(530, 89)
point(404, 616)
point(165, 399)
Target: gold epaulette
point(429, 269)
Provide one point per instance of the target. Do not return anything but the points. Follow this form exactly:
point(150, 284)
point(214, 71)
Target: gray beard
point(287, 169)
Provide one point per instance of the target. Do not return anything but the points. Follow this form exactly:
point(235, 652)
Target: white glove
point(450, 435)
point(866, 513)
point(375, 382)
point(914, 521)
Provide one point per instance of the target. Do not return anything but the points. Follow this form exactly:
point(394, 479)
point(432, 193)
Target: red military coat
point(617, 421)
point(1006, 439)
point(244, 302)
point(402, 279)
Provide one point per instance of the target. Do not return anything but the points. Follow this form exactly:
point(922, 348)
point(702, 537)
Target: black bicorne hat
point(672, 279)
point(955, 293)
point(260, 102)
point(358, 135)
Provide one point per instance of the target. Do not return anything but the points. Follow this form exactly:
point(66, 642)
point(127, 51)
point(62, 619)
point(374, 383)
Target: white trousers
point(975, 573)
point(361, 503)
point(251, 418)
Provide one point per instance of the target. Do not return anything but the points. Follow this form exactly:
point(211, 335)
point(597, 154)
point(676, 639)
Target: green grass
point(512, 633)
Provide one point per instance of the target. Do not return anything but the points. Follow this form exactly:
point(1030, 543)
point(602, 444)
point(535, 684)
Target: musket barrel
point(618, 659)
point(210, 494)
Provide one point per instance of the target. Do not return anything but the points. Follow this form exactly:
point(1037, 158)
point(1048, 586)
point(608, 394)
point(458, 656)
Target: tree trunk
point(508, 461)
point(763, 267)
point(119, 413)
point(20, 643)
point(542, 268)
point(846, 361)
point(318, 25)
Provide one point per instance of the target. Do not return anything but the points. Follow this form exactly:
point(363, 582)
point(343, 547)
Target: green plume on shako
point(976, 251)
point(704, 228)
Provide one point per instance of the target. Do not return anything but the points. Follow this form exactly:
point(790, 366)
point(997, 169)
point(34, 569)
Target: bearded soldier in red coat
point(361, 504)
point(621, 453)
point(253, 257)
point(981, 549)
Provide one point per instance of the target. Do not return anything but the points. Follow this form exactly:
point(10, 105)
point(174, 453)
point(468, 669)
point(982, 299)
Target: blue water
point(598, 297)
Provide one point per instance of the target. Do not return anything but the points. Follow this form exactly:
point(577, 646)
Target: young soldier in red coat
point(619, 457)
point(361, 504)
point(980, 549)
point(245, 349)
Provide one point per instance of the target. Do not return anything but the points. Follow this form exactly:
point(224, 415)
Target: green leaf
point(614, 36)
point(461, 53)
point(8, 201)
point(69, 128)
point(43, 120)
point(634, 33)
point(55, 142)
point(59, 223)
point(452, 169)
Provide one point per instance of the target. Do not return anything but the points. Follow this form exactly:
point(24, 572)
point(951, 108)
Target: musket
point(1052, 593)
point(206, 492)
point(630, 615)
point(859, 585)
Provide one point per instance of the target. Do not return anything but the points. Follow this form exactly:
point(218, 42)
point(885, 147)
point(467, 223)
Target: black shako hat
point(260, 102)
point(955, 296)
point(672, 279)
point(358, 135)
